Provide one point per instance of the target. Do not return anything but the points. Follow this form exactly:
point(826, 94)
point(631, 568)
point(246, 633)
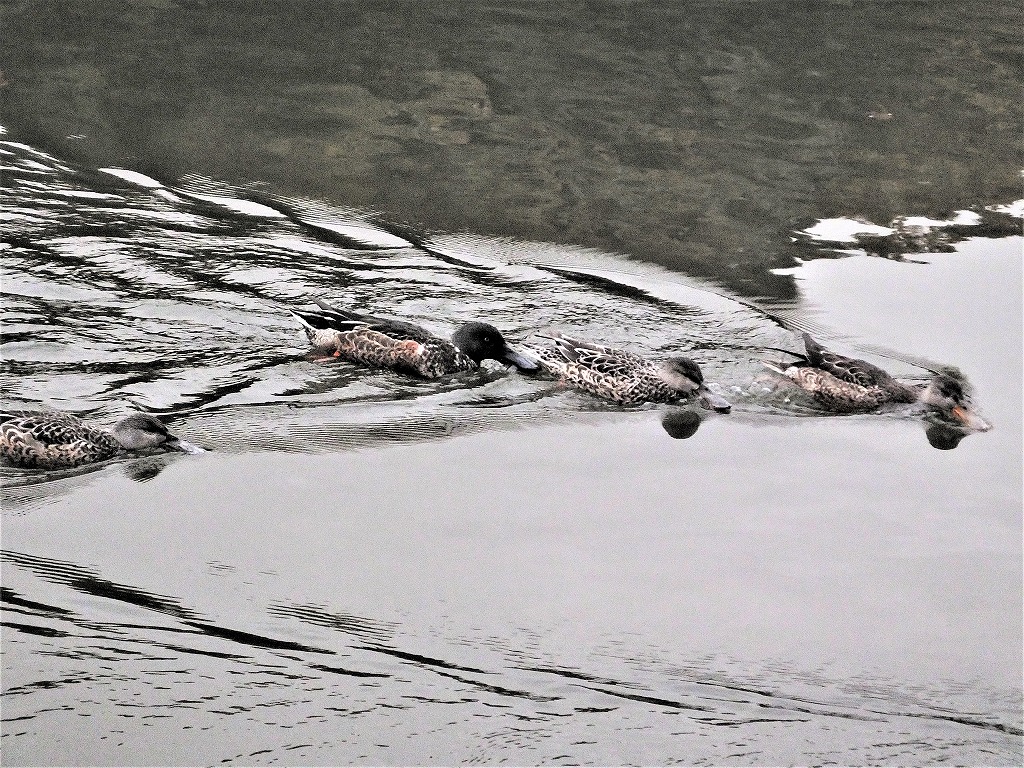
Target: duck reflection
point(680, 423)
point(144, 470)
point(24, 489)
point(945, 437)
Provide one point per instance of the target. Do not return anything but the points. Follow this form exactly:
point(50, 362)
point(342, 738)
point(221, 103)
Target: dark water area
point(366, 569)
point(695, 135)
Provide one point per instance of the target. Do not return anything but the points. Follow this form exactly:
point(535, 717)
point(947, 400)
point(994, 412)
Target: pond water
point(369, 569)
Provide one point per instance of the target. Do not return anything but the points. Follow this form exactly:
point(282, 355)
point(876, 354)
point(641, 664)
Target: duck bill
point(185, 446)
point(969, 419)
point(520, 361)
point(712, 401)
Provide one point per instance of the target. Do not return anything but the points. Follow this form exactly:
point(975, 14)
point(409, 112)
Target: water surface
point(368, 569)
point(693, 134)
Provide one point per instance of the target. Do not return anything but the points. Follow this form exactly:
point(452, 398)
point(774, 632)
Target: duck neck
point(907, 393)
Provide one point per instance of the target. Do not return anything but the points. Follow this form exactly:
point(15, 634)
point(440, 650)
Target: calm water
point(366, 569)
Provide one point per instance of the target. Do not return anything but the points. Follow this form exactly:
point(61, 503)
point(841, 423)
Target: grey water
point(366, 569)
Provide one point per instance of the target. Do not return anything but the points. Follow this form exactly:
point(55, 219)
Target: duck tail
point(773, 366)
point(563, 347)
point(534, 356)
point(340, 315)
point(327, 318)
point(306, 321)
point(315, 324)
point(798, 355)
point(814, 350)
point(302, 320)
point(550, 334)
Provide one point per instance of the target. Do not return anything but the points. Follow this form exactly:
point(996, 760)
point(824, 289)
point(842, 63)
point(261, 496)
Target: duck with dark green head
point(385, 342)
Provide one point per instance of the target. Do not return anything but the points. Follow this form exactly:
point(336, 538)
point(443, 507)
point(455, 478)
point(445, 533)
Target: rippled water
point(693, 134)
point(370, 569)
point(182, 307)
point(489, 567)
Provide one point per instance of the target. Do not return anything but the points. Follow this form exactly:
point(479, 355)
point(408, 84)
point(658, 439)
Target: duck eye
point(952, 390)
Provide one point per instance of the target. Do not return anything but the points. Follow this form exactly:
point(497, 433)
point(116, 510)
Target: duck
point(623, 377)
point(385, 342)
point(848, 385)
point(59, 440)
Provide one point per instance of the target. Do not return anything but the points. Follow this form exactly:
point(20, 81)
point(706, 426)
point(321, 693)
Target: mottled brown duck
point(58, 440)
point(623, 377)
point(848, 385)
point(385, 342)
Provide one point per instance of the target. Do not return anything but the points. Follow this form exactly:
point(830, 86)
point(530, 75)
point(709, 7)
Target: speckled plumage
point(56, 440)
point(400, 346)
point(865, 382)
point(611, 374)
point(836, 394)
point(847, 385)
point(53, 440)
point(623, 377)
point(383, 347)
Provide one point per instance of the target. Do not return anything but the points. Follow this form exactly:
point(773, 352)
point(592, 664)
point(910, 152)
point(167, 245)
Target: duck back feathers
point(618, 375)
point(53, 440)
point(854, 371)
point(385, 342)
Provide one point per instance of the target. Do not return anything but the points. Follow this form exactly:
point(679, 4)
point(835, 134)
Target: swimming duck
point(55, 440)
point(846, 385)
point(623, 377)
point(389, 343)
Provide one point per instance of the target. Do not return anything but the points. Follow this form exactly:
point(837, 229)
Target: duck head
point(684, 375)
point(948, 393)
point(482, 341)
point(141, 431)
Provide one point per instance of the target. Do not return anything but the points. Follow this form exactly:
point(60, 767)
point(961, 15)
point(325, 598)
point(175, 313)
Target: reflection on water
point(371, 672)
point(695, 134)
point(371, 569)
point(121, 291)
point(944, 436)
point(680, 424)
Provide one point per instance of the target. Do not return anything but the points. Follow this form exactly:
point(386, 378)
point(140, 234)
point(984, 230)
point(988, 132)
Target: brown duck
point(57, 440)
point(385, 342)
point(846, 385)
point(624, 377)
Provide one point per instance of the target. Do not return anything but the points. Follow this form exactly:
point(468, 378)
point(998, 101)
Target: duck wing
point(346, 320)
point(615, 363)
point(48, 428)
point(606, 361)
point(848, 369)
point(570, 346)
point(574, 350)
point(52, 440)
